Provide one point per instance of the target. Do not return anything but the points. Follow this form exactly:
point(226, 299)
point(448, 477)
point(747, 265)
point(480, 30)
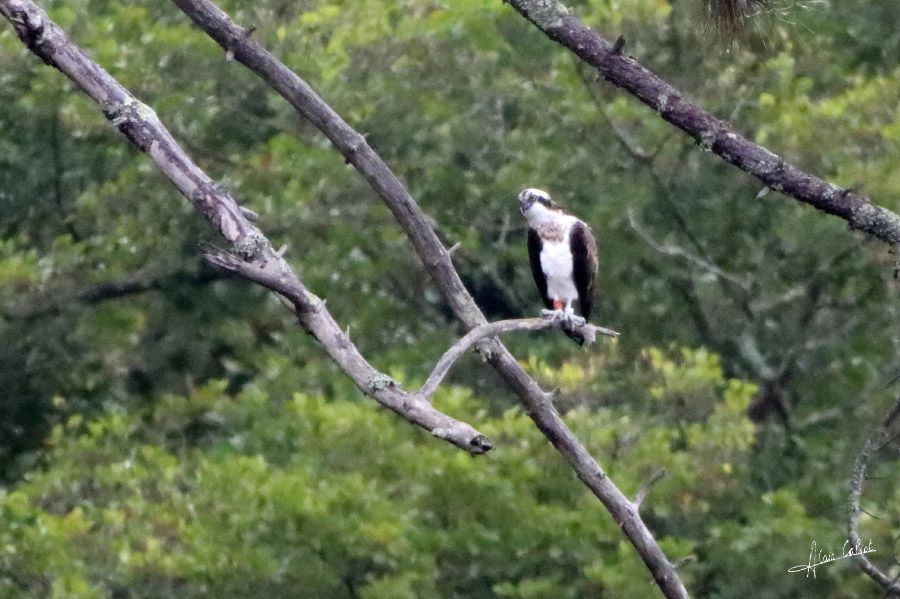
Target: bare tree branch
point(253, 256)
point(135, 283)
point(238, 45)
point(876, 441)
point(317, 320)
point(711, 133)
point(588, 331)
point(679, 252)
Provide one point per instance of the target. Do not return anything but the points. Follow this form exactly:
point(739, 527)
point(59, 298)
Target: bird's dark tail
point(576, 337)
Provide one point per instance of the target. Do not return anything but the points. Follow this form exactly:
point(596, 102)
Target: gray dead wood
point(588, 331)
point(240, 46)
point(711, 134)
point(251, 256)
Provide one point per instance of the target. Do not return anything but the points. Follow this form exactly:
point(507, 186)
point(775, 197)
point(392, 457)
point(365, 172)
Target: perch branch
point(711, 133)
point(876, 441)
point(253, 256)
point(353, 146)
point(442, 368)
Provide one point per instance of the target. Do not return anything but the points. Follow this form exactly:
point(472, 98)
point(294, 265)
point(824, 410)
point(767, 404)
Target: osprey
point(563, 255)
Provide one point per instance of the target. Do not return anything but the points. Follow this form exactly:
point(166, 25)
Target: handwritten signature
point(817, 557)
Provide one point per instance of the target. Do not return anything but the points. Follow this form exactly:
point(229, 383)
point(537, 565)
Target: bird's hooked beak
point(526, 200)
point(524, 204)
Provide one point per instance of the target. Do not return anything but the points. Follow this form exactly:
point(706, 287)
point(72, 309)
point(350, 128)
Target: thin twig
point(54, 301)
point(857, 480)
point(679, 252)
point(648, 484)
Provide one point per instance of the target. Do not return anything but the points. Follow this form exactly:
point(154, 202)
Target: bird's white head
point(536, 204)
point(531, 196)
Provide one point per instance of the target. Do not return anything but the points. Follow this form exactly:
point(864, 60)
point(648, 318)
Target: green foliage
point(184, 438)
point(233, 495)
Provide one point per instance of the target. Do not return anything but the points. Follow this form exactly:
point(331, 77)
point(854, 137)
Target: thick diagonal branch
point(253, 257)
point(238, 44)
point(711, 133)
point(876, 441)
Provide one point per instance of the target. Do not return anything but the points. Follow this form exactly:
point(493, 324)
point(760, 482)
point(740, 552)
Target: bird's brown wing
point(534, 256)
point(584, 265)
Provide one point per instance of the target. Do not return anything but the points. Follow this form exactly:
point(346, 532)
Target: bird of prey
point(563, 255)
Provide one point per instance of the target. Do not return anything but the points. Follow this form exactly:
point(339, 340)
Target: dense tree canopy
point(166, 431)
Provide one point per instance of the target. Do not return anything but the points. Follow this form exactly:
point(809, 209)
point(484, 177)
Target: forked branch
point(443, 366)
point(253, 257)
point(353, 146)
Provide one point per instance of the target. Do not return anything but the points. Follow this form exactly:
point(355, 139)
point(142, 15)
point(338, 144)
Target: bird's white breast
point(556, 262)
